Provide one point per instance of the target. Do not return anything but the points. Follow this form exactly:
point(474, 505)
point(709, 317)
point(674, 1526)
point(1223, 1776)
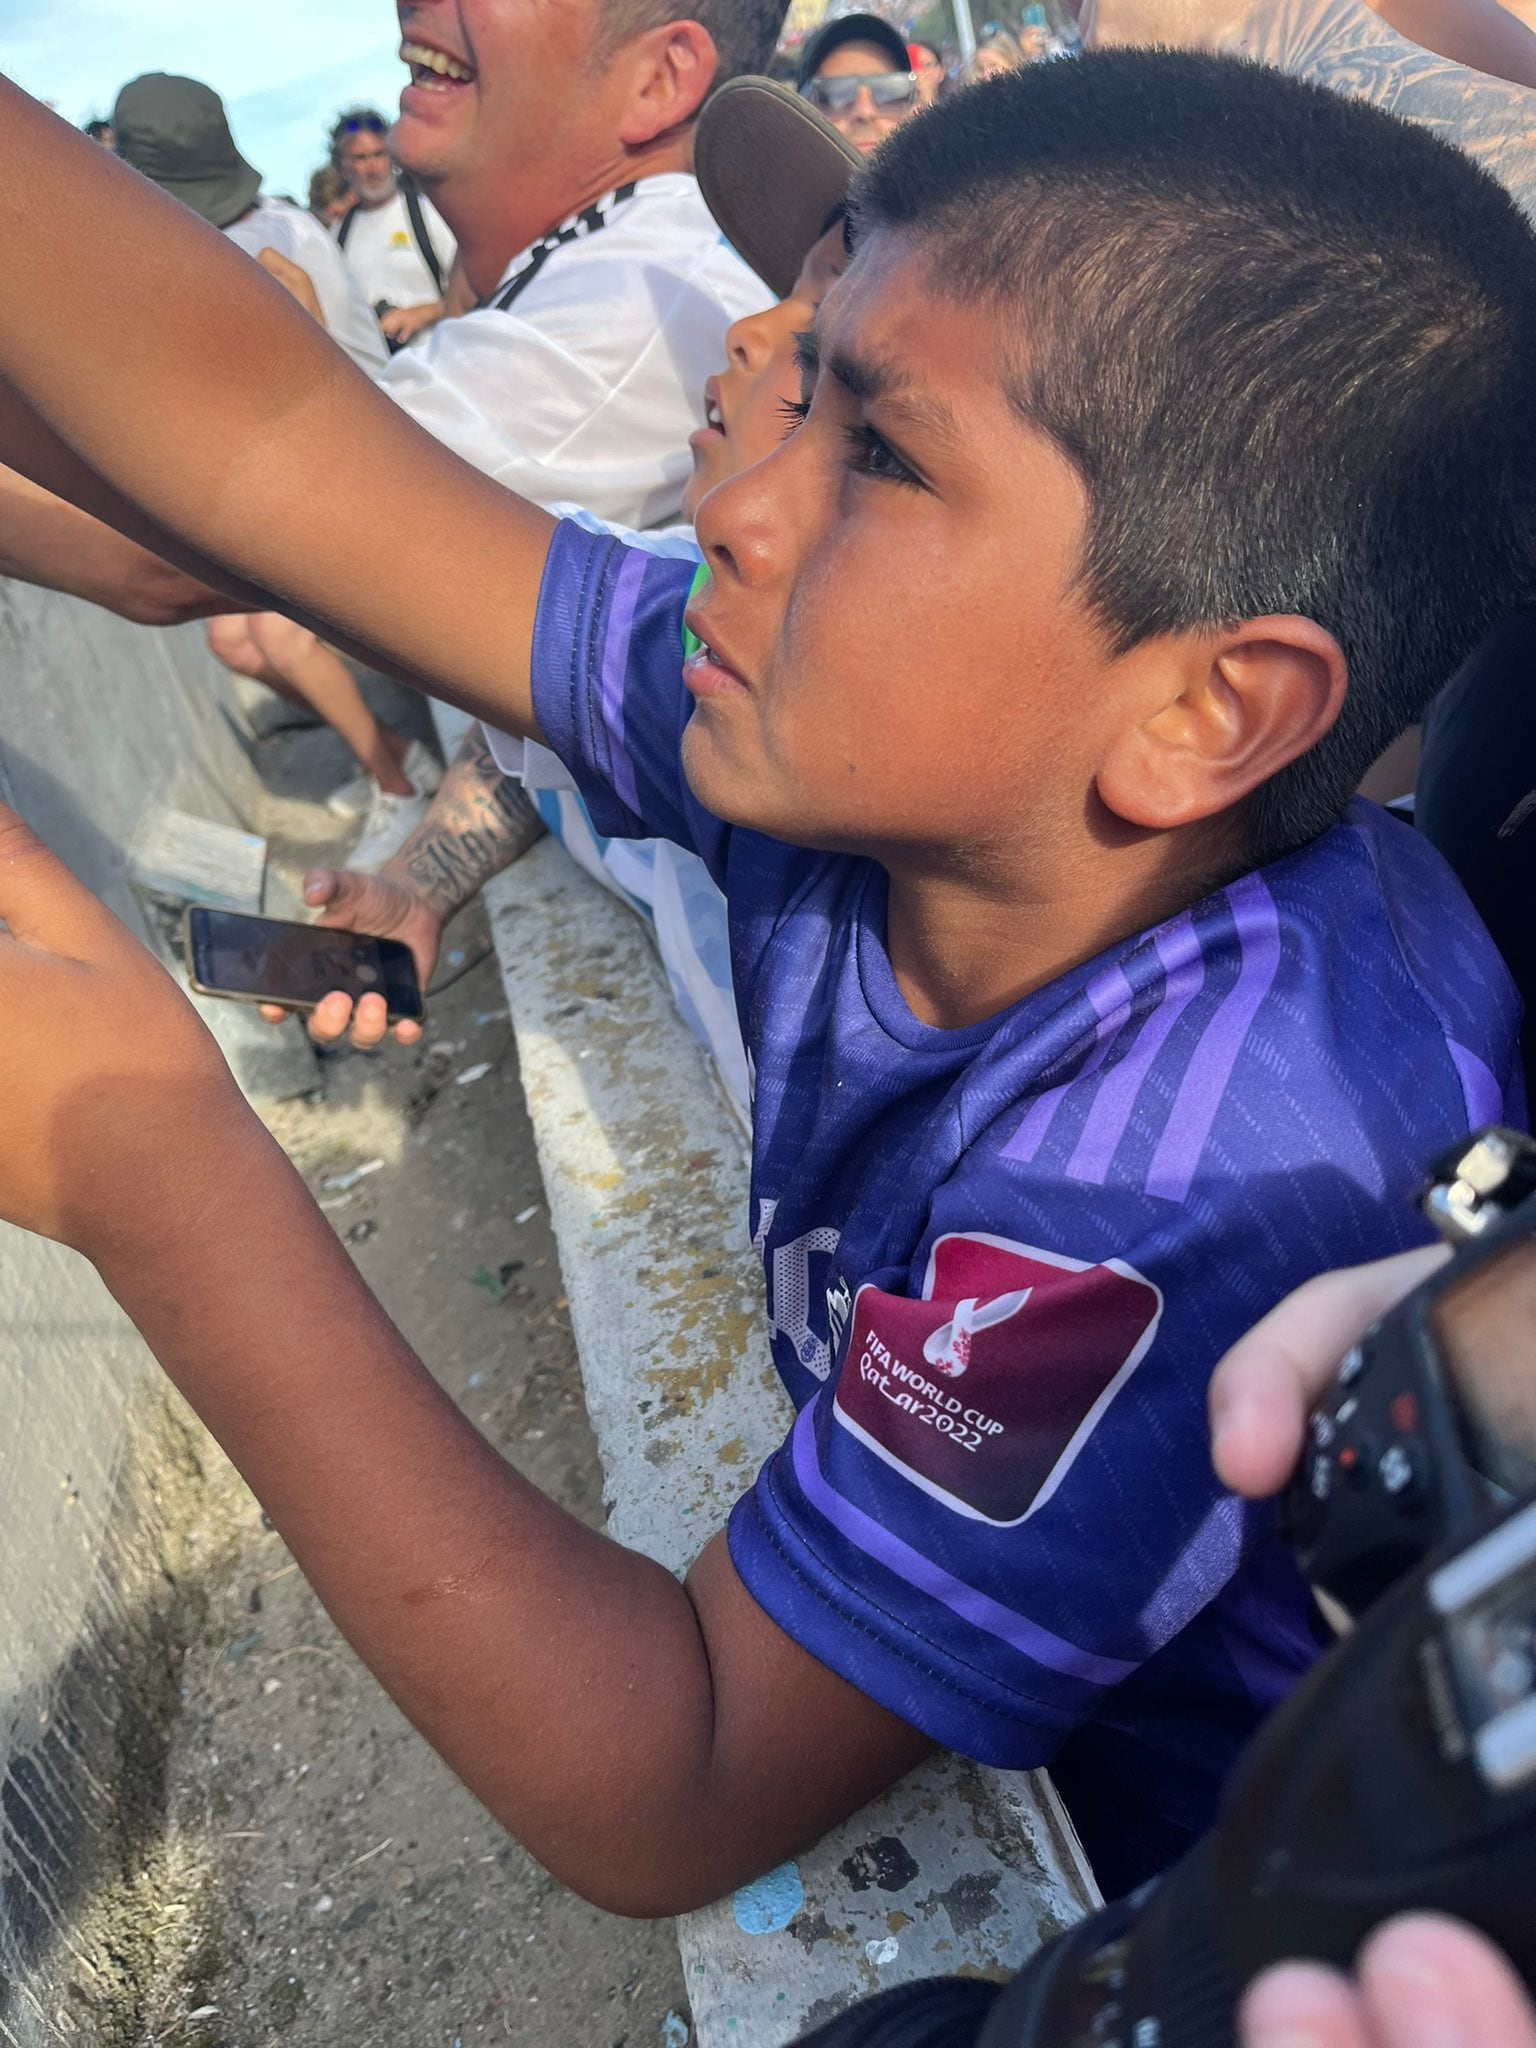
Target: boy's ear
point(1226, 712)
point(671, 68)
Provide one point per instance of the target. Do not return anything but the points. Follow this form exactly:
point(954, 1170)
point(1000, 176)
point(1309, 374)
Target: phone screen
point(268, 959)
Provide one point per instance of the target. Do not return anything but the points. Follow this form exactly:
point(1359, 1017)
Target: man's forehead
point(853, 59)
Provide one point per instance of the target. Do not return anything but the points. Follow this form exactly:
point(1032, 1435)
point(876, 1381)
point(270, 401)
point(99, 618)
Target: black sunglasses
point(836, 95)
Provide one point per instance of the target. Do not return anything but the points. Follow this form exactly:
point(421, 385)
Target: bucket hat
point(176, 132)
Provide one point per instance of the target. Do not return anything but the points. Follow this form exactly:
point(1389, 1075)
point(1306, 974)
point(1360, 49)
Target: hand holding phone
point(391, 906)
point(271, 961)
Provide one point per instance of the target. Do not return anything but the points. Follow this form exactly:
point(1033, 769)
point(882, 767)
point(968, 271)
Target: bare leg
point(230, 641)
point(321, 679)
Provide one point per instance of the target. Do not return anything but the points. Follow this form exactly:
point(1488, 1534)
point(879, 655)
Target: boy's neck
point(964, 948)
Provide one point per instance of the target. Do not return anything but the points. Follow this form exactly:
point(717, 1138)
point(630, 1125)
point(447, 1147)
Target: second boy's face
point(746, 404)
point(896, 662)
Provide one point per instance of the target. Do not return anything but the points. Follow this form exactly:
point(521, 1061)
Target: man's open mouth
point(435, 69)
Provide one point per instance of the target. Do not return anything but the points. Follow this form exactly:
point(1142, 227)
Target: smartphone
point(267, 960)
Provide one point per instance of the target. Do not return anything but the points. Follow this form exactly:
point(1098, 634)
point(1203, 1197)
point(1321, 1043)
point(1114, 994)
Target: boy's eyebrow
point(870, 380)
point(808, 354)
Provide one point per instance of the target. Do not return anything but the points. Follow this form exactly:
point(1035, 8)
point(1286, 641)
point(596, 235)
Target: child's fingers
point(408, 1031)
point(330, 1017)
point(320, 885)
point(1302, 2005)
point(370, 1023)
point(272, 1013)
point(1433, 1983)
point(1262, 1389)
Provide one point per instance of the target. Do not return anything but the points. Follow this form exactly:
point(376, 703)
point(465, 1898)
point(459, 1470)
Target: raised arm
point(221, 411)
point(46, 541)
point(1477, 33)
point(654, 1743)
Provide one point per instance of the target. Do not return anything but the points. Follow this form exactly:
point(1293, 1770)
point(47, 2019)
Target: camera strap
point(591, 220)
point(420, 234)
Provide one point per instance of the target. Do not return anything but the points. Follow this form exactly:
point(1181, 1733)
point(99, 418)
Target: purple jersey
point(1002, 1261)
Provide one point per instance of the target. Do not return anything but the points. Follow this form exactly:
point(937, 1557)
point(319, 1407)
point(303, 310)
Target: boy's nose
point(746, 343)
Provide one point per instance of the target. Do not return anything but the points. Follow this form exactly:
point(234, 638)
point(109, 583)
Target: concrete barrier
point(99, 723)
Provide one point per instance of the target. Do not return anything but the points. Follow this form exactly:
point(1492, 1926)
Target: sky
point(284, 67)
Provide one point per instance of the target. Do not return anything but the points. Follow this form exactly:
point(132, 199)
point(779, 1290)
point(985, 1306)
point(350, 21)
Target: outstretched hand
point(387, 906)
point(1263, 1388)
point(1421, 1982)
point(115, 1103)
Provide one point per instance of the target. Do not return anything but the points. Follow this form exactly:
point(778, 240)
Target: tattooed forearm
point(1352, 47)
point(479, 823)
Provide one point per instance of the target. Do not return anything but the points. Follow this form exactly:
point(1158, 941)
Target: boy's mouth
point(707, 673)
point(434, 70)
point(714, 418)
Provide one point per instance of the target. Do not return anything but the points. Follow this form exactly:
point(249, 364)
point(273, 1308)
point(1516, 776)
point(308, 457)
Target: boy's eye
point(871, 455)
point(792, 412)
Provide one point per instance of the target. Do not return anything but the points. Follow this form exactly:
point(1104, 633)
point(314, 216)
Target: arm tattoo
point(1345, 44)
point(480, 822)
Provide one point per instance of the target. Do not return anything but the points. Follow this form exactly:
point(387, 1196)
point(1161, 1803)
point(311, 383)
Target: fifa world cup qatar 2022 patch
point(983, 1392)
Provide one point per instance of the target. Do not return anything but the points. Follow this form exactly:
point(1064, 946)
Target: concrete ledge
point(957, 1869)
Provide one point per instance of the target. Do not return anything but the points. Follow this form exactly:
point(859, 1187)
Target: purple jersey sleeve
point(1001, 1506)
point(608, 689)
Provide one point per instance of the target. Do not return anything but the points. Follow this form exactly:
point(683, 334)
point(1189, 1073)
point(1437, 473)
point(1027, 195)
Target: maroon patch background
point(991, 1433)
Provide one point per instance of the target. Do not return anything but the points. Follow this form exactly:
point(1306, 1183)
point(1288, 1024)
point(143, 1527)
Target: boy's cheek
point(724, 768)
point(750, 777)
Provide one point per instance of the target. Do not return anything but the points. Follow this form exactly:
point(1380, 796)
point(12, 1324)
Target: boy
point(1168, 439)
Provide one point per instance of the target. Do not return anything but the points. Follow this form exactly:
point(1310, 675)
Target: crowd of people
point(949, 551)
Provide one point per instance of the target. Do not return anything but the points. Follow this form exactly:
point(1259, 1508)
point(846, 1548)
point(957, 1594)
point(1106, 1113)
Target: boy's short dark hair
point(1287, 340)
point(744, 32)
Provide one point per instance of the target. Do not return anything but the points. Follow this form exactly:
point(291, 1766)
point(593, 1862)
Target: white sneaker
point(354, 799)
point(390, 822)
point(421, 769)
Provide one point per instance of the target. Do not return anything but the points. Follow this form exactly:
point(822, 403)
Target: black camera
point(380, 308)
point(1401, 1775)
